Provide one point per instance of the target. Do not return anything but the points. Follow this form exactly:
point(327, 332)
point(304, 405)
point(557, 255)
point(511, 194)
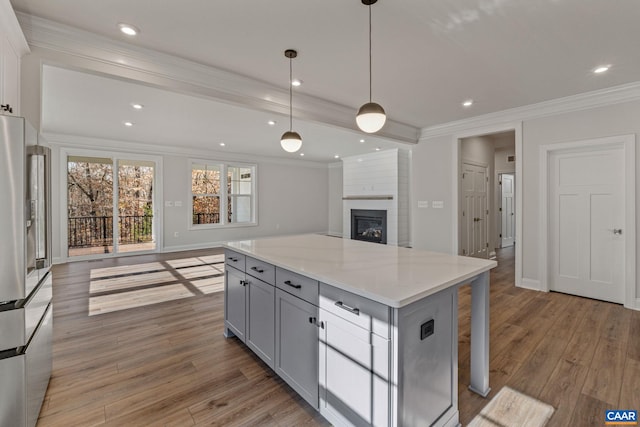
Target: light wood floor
point(167, 364)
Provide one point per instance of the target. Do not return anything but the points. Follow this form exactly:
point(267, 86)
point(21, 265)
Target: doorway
point(589, 218)
point(475, 210)
point(507, 220)
point(110, 206)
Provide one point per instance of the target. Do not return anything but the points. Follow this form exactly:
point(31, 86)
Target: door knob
point(617, 231)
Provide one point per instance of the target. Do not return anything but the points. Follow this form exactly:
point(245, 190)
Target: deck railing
point(206, 218)
point(92, 231)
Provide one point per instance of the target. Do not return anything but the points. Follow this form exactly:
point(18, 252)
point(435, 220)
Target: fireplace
point(369, 225)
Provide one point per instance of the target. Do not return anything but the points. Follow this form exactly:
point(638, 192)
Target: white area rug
point(510, 408)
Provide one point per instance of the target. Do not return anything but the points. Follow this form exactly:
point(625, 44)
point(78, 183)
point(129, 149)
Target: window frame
point(224, 194)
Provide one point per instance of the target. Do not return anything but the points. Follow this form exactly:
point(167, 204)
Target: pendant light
point(371, 116)
point(291, 141)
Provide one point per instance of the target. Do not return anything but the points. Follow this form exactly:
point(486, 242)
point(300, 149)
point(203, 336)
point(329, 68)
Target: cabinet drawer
point(296, 284)
point(261, 270)
point(366, 313)
point(234, 259)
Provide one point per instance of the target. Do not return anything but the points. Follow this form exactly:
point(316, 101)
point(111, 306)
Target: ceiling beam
point(145, 66)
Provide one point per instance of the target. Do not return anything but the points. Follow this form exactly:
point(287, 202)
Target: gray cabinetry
point(235, 307)
point(260, 319)
point(358, 361)
point(249, 307)
point(297, 345)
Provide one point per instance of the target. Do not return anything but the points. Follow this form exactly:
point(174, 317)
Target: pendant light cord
point(370, 65)
point(290, 95)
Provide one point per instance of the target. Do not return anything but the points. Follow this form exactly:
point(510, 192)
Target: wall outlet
point(178, 203)
point(437, 204)
point(423, 203)
point(168, 204)
point(176, 234)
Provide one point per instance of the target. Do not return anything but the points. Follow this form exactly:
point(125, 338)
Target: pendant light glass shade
point(371, 117)
point(291, 141)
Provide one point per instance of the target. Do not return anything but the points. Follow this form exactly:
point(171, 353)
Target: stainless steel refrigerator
point(25, 279)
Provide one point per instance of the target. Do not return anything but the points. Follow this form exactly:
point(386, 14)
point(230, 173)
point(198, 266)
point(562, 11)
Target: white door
point(586, 217)
point(475, 213)
point(508, 219)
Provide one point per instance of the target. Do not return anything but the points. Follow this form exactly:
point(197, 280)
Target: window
point(222, 194)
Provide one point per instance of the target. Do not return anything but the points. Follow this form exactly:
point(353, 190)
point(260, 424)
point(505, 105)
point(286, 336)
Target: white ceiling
point(428, 56)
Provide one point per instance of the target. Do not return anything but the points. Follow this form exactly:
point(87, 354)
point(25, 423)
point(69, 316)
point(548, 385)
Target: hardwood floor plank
point(604, 379)
point(588, 412)
point(630, 390)
point(563, 390)
point(633, 351)
point(534, 373)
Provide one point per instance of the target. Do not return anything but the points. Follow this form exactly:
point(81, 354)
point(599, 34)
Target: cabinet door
point(297, 345)
point(261, 319)
point(354, 373)
point(235, 302)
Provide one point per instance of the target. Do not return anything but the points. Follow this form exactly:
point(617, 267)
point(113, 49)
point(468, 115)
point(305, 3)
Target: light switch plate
point(168, 204)
point(178, 203)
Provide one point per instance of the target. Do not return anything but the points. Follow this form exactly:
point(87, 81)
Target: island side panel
point(426, 366)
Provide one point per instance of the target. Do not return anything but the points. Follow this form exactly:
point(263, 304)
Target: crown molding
point(584, 101)
point(102, 144)
point(11, 29)
point(178, 74)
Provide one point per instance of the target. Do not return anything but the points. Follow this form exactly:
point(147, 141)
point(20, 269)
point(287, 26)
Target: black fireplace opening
point(369, 225)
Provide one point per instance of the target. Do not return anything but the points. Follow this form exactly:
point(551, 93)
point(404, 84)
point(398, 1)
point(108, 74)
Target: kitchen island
point(366, 333)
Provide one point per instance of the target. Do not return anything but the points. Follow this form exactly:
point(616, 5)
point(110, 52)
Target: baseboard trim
point(532, 284)
point(58, 260)
point(197, 246)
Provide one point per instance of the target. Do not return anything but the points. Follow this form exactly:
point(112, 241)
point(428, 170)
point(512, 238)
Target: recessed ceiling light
point(302, 154)
point(336, 156)
point(129, 30)
point(128, 124)
point(137, 106)
point(271, 122)
point(222, 144)
point(467, 103)
point(377, 148)
point(362, 141)
point(296, 82)
point(601, 69)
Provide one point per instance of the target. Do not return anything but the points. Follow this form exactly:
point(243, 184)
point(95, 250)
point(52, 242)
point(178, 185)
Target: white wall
point(434, 158)
point(335, 199)
point(285, 205)
point(432, 178)
point(612, 120)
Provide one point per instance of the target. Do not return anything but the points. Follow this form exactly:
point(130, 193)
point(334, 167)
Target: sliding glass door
point(110, 206)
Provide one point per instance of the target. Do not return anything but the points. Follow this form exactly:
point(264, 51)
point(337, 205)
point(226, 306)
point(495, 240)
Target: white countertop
point(391, 275)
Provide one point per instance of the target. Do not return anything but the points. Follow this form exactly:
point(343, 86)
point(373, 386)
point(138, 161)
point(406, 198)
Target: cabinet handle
point(353, 310)
point(233, 259)
point(256, 269)
point(244, 282)
point(322, 324)
point(288, 282)
point(313, 320)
